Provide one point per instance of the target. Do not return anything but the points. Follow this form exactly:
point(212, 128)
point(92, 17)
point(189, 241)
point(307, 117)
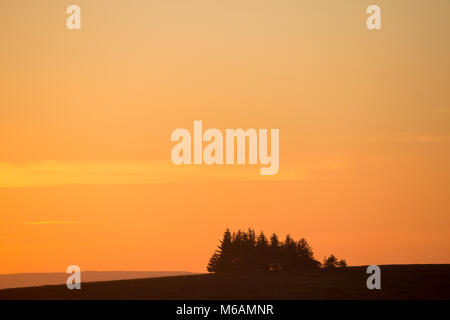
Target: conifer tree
point(246, 252)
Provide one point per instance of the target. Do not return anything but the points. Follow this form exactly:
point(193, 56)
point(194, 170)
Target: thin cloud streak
point(64, 173)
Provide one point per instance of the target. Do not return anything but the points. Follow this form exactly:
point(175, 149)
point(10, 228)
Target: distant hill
point(397, 282)
point(18, 280)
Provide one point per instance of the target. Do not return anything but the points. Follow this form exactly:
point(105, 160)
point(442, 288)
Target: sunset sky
point(86, 116)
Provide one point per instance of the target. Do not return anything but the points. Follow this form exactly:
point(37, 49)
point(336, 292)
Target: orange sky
point(86, 117)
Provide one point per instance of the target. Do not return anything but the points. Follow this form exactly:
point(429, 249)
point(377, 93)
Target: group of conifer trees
point(245, 251)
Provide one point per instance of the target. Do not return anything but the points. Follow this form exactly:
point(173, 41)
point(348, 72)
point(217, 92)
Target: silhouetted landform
point(17, 280)
point(397, 282)
point(245, 251)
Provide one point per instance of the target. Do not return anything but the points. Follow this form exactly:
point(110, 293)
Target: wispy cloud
point(62, 173)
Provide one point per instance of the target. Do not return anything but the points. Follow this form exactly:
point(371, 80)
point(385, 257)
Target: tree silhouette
point(332, 263)
point(220, 261)
point(246, 252)
point(262, 250)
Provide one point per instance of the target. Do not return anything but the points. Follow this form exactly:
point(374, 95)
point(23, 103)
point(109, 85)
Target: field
point(397, 282)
